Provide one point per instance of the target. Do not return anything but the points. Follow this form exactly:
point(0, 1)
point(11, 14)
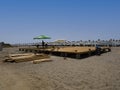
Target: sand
point(93, 73)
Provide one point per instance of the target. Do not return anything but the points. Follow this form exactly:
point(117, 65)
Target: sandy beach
point(92, 73)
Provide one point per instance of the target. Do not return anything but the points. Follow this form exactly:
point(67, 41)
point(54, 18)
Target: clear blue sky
point(21, 20)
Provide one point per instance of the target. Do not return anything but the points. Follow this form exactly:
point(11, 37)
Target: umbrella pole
point(43, 44)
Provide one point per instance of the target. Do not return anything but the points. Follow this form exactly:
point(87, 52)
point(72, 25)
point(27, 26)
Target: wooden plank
point(41, 60)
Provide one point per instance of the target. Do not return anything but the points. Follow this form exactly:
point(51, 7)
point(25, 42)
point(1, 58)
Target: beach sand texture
point(93, 73)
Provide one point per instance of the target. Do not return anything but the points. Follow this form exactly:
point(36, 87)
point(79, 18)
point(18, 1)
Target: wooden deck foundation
point(72, 52)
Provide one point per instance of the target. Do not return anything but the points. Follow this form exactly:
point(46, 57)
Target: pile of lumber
point(25, 57)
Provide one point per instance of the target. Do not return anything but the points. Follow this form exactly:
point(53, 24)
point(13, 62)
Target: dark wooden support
point(78, 56)
point(89, 52)
point(61, 54)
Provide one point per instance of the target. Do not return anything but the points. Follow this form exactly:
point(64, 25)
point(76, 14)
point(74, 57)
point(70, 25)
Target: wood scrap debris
point(25, 57)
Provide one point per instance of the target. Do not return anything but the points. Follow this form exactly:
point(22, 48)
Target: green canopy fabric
point(42, 37)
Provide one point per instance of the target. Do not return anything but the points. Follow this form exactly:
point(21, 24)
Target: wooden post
point(62, 54)
point(89, 53)
point(65, 56)
point(26, 50)
point(1, 47)
point(78, 55)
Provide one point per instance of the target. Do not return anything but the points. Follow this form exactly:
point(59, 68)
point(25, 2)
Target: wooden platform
point(73, 52)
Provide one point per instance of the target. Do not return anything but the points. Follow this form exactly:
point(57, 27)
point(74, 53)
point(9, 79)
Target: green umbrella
point(42, 37)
